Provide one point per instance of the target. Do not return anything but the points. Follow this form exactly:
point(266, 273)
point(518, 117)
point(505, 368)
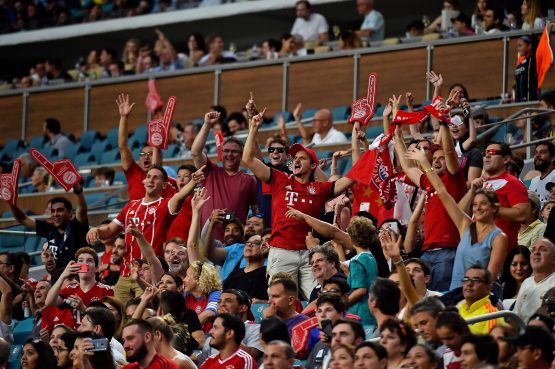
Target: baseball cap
point(535, 336)
point(549, 186)
point(298, 147)
point(534, 198)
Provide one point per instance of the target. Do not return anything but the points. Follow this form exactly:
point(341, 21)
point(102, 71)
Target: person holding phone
point(79, 296)
point(90, 351)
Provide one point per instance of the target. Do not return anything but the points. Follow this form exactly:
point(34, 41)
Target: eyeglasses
point(491, 152)
point(229, 151)
point(145, 153)
point(473, 280)
point(254, 244)
point(280, 150)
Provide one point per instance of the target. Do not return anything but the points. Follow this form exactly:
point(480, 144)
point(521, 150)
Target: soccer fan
point(182, 222)
point(311, 26)
point(451, 328)
point(535, 348)
point(424, 317)
point(175, 254)
point(278, 355)
point(544, 163)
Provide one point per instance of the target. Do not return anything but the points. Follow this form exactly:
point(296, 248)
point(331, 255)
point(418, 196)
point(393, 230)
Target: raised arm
point(412, 228)
point(176, 201)
point(300, 126)
point(6, 300)
point(197, 148)
point(499, 249)
point(436, 80)
point(103, 232)
point(472, 135)
point(81, 210)
point(358, 137)
point(325, 229)
point(53, 297)
point(413, 128)
point(459, 217)
point(147, 251)
point(125, 108)
point(215, 254)
point(199, 199)
point(401, 150)
point(451, 160)
point(146, 298)
point(22, 218)
point(257, 166)
point(164, 43)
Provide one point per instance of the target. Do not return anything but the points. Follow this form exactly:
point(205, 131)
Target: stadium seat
point(100, 147)
point(94, 198)
point(341, 112)
point(14, 360)
point(84, 159)
point(13, 240)
point(141, 133)
point(88, 139)
point(22, 330)
point(12, 145)
point(119, 178)
point(373, 132)
point(257, 310)
point(109, 157)
point(112, 137)
point(134, 142)
point(171, 152)
point(72, 150)
point(7, 214)
point(37, 142)
point(288, 117)
point(308, 113)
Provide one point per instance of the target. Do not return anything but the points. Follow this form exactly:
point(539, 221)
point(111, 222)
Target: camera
point(228, 217)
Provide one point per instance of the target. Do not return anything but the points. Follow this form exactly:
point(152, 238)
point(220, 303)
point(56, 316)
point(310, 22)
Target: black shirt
point(64, 245)
point(254, 283)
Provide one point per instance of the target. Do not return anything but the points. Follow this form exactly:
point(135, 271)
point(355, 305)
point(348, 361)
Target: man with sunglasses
point(135, 172)
point(229, 187)
point(477, 283)
point(511, 192)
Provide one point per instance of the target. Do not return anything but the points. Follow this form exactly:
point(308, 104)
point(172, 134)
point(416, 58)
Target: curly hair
point(362, 232)
point(407, 336)
point(207, 276)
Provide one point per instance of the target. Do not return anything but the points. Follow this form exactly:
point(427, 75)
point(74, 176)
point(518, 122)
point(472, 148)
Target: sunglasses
point(473, 280)
point(491, 152)
point(280, 150)
point(143, 153)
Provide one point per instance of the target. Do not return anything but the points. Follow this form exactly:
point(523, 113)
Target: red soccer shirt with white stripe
point(97, 292)
point(239, 359)
point(152, 219)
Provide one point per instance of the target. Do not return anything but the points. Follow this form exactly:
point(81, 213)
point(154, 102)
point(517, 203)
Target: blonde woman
point(202, 292)
point(171, 340)
point(531, 14)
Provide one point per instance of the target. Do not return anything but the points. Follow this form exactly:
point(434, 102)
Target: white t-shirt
point(310, 29)
point(374, 20)
point(530, 294)
point(538, 186)
point(333, 136)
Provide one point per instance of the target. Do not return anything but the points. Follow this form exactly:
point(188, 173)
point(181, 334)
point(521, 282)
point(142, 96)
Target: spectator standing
point(526, 75)
point(182, 222)
point(311, 26)
point(544, 163)
point(542, 279)
point(202, 290)
point(229, 187)
point(226, 336)
point(373, 26)
point(52, 130)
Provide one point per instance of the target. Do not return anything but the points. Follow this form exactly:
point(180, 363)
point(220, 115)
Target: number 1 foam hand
point(159, 130)
point(63, 171)
point(9, 184)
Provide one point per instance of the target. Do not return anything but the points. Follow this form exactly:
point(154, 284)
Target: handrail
point(498, 314)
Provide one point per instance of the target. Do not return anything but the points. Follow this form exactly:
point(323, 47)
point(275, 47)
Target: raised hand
point(453, 95)
point(477, 183)
point(217, 215)
point(418, 155)
point(434, 79)
point(199, 199)
point(251, 106)
point(256, 120)
point(293, 213)
point(149, 293)
point(211, 118)
point(311, 241)
point(92, 236)
point(410, 100)
point(198, 176)
point(124, 106)
point(323, 163)
point(132, 229)
point(391, 245)
point(395, 101)
point(388, 109)
point(298, 111)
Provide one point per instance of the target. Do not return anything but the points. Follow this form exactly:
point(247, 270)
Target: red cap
point(298, 147)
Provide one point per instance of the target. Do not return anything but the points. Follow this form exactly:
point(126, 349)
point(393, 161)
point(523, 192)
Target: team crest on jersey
point(151, 210)
point(380, 172)
point(198, 310)
point(311, 190)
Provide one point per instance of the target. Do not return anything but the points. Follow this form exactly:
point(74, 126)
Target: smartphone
point(228, 216)
point(84, 268)
point(100, 344)
point(327, 327)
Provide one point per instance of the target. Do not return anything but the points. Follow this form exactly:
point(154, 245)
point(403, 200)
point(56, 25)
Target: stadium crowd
point(220, 268)
point(309, 30)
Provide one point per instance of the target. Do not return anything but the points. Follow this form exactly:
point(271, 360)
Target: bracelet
point(430, 169)
point(399, 262)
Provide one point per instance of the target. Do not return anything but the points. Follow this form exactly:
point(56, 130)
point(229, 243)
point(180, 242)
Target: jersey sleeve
point(213, 299)
point(517, 194)
point(120, 219)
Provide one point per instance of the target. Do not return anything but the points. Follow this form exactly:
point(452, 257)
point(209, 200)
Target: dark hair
point(452, 320)
point(220, 109)
point(104, 318)
point(425, 267)
point(402, 230)
point(485, 346)
point(100, 359)
point(177, 279)
point(431, 305)
point(212, 37)
point(510, 287)
point(332, 299)
point(356, 326)
point(53, 125)
point(189, 167)
point(340, 282)
point(46, 360)
point(14, 260)
point(172, 302)
point(107, 172)
point(25, 258)
point(305, 2)
point(274, 329)
point(432, 355)
point(231, 322)
point(273, 44)
point(286, 36)
point(550, 147)
point(234, 140)
point(288, 286)
point(386, 294)
point(378, 349)
point(199, 40)
point(110, 51)
point(239, 117)
point(417, 24)
point(548, 321)
point(406, 334)
point(465, 91)
point(69, 339)
point(549, 97)
point(63, 200)
point(144, 326)
point(161, 169)
point(487, 274)
point(328, 251)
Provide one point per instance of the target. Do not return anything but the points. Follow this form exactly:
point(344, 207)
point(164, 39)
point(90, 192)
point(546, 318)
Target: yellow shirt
point(480, 307)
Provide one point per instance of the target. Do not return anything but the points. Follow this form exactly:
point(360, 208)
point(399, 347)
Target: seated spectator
point(383, 301)
point(506, 358)
point(451, 328)
point(373, 26)
point(81, 354)
point(54, 72)
point(515, 270)
point(477, 283)
point(290, 46)
point(37, 355)
point(52, 129)
point(370, 355)
point(185, 137)
point(397, 338)
point(462, 25)
point(493, 19)
point(544, 165)
point(147, 62)
point(279, 354)
point(40, 180)
point(415, 29)
point(324, 262)
point(202, 292)
point(216, 53)
point(532, 229)
point(28, 165)
point(441, 23)
point(478, 349)
point(424, 317)
point(311, 26)
point(169, 60)
point(236, 122)
point(130, 55)
point(196, 47)
point(535, 348)
point(104, 176)
point(546, 210)
point(283, 301)
point(270, 49)
point(349, 40)
point(423, 357)
point(115, 69)
point(323, 130)
point(531, 11)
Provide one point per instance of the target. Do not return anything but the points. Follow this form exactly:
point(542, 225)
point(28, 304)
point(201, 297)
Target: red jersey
point(52, 316)
point(203, 303)
point(439, 229)
point(158, 362)
point(96, 293)
point(309, 198)
point(152, 219)
point(105, 259)
point(182, 222)
point(238, 360)
point(135, 187)
point(510, 192)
